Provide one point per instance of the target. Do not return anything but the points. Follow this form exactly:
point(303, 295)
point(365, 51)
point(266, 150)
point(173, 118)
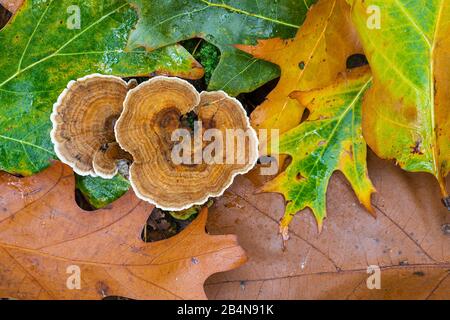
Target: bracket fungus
point(155, 113)
point(83, 121)
point(106, 160)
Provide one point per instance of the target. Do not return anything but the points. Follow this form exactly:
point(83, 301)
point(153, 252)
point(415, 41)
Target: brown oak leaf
point(45, 239)
point(409, 241)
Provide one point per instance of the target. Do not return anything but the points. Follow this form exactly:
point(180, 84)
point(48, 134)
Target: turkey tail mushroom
point(152, 113)
point(83, 121)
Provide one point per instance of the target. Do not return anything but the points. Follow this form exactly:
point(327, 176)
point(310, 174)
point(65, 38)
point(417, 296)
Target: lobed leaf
point(45, 239)
point(329, 140)
point(311, 60)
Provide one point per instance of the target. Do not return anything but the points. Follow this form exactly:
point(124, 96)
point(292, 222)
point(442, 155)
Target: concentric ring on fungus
point(152, 111)
point(83, 121)
point(105, 162)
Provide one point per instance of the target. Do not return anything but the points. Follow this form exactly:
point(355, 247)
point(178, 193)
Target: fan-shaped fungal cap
point(105, 162)
point(152, 113)
point(84, 117)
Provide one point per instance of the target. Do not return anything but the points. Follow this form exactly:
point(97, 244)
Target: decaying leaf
point(311, 60)
point(222, 23)
point(45, 239)
point(46, 50)
point(329, 140)
point(407, 111)
point(409, 241)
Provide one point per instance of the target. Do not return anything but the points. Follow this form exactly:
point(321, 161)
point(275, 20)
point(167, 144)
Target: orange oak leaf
point(46, 240)
point(311, 60)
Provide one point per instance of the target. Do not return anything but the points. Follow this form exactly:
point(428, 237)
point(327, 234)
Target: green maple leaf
point(40, 55)
point(329, 140)
point(222, 23)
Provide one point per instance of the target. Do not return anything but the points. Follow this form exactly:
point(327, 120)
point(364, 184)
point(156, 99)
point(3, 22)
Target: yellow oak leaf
point(311, 60)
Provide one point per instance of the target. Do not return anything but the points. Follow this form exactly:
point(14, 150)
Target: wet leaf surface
point(329, 139)
point(222, 23)
point(43, 233)
point(44, 54)
point(311, 60)
point(409, 240)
